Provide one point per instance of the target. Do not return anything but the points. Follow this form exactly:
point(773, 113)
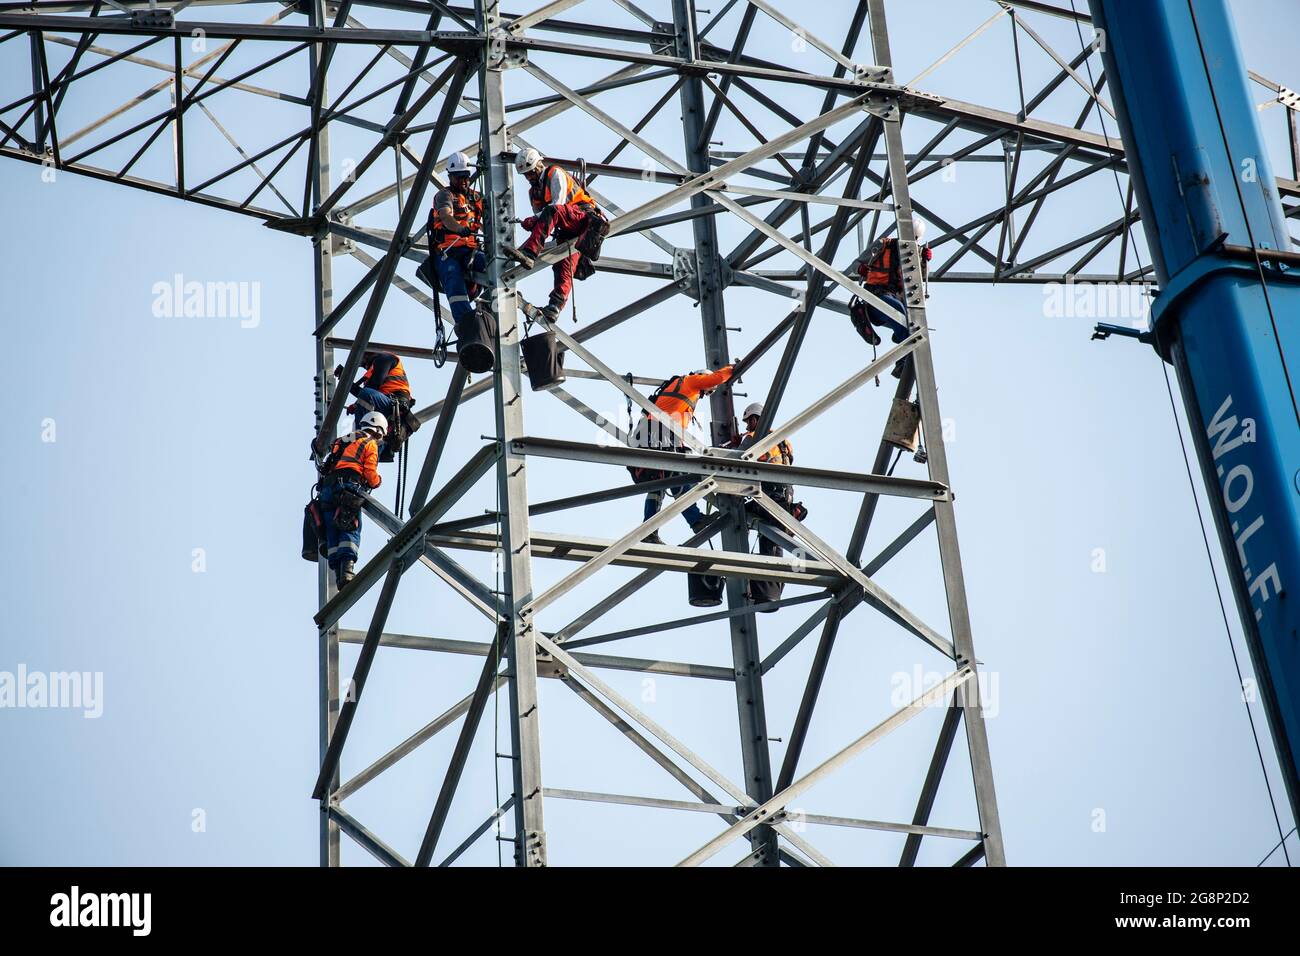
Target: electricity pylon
point(823, 123)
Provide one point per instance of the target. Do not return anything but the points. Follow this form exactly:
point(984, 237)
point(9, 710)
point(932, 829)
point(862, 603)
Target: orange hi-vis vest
point(679, 394)
point(781, 454)
point(540, 192)
point(467, 209)
point(882, 270)
point(356, 460)
point(394, 383)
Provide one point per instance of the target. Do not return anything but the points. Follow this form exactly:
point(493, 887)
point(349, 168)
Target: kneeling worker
point(385, 389)
point(346, 475)
point(677, 397)
point(881, 272)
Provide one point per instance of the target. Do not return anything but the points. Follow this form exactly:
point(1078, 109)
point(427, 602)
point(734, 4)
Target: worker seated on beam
point(385, 389)
point(562, 208)
point(677, 397)
point(345, 475)
point(881, 272)
point(782, 453)
point(455, 222)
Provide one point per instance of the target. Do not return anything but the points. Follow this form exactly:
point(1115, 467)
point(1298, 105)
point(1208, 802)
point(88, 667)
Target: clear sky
point(158, 467)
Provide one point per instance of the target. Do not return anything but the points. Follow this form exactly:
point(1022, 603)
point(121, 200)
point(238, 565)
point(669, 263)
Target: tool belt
point(590, 241)
point(348, 502)
point(642, 475)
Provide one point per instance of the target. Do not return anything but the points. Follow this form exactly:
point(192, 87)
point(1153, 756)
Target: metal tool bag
point(593, 237)
point(410, 421)
point(545, 360)
point(401, 425)
point(313, 531)
point(475, 338)
point(704, 590)
point(861, 322)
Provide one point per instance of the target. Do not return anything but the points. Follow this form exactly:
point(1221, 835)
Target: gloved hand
point(351, 409)
point(338, 370)
point(530, 223)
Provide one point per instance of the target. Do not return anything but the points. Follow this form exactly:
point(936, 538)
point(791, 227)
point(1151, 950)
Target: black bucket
point(705, 589)
point(545, 360)
point(761, 592)
point(475, 335)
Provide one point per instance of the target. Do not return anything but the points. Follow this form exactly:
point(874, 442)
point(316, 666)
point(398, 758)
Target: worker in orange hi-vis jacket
point(562, 208)
point(348, 472)
point(678, 398)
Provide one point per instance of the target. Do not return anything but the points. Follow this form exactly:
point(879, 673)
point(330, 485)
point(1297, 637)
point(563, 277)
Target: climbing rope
point(496, 687)
point(1223, 612)
point(397, 505)
point(631, 423)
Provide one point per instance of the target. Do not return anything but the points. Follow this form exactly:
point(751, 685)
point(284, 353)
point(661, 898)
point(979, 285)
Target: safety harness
point(669, 389)
point(347, 501)
point(467, 208)
point(395, 381)
point(539, 193)
point(344, 454)
point(881, 267)
point(782, 454)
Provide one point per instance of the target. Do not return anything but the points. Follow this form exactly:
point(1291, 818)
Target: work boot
point(550, 312)
point(653, 538)
point(521, 257)
point(344, 573)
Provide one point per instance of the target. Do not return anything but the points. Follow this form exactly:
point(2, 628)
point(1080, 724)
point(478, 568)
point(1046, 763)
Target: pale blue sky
point(1115, 690)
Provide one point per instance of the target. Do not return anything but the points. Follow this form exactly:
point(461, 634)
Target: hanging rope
point(496, 687)
point(1274, 850)
point(397, 505)
point(440, 331)
point(631, 422)
point(1227, 630)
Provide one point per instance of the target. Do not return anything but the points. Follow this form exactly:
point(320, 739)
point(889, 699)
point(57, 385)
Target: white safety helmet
point(458, 164)
point(529, 160)
point(374, 421)
point(918, 228)
point(754, 408)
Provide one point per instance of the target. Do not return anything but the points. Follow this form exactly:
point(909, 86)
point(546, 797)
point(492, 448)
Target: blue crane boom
point(1228, 312)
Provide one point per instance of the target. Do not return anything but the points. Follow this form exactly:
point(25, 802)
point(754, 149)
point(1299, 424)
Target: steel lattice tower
point(450, 74)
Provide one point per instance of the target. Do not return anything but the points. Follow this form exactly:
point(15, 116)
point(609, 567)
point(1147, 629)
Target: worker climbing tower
point(748, 251)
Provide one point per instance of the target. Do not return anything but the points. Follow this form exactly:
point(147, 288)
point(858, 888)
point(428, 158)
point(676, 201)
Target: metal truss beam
point(789, 192)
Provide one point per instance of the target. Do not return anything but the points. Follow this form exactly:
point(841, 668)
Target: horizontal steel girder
point(607, 661)
point(721, 464)
point(658, 557)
